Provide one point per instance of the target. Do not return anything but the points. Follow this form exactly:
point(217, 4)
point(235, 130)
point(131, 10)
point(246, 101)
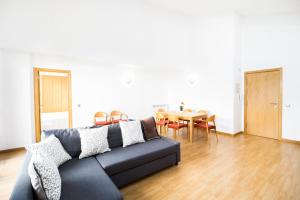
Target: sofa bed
point(101, 176)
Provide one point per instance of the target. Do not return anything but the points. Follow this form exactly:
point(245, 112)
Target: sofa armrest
point(23, 189)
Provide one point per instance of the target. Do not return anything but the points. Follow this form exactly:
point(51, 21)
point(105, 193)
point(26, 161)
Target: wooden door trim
point(279, 69)
point(37, 116)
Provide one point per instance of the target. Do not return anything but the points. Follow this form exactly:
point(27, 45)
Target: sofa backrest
point(114, 136)
point(70, 138)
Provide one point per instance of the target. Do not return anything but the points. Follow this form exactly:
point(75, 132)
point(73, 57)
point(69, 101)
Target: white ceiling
point(242, 7)
point(138, 32)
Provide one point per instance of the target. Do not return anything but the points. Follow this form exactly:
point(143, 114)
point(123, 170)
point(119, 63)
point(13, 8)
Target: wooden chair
point(202, 119)
point(161, 121)
point(208, 124)
point(116, 116)
point(176, 124)
point(102, 115)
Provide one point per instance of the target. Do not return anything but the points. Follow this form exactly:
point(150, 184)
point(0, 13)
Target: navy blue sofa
point(101, 176)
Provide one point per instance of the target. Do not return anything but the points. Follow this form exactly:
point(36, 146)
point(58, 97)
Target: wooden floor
point(241, 167)
point(10, 164)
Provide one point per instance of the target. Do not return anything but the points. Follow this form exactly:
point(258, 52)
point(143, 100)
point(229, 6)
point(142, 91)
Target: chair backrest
point(161, 110)
point(202, 111)
point(187, 110)
point(116, 113)
point(100, 115)
point(211, 119)
point(160, 116)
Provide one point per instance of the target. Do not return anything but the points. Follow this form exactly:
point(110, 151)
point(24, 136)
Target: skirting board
point(235, 134)
point(291, 141)
point(229, 134)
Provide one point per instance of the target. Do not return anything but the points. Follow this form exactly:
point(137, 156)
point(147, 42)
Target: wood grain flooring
point(241, 167)
point(10, 164)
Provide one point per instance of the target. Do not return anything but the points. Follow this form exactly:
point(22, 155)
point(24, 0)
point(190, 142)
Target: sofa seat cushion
point(122, 159)
point(86, 179)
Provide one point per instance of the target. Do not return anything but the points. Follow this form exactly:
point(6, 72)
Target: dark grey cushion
point(69, 138)
point(86, 179)
point(121, 159)
point(114, 136)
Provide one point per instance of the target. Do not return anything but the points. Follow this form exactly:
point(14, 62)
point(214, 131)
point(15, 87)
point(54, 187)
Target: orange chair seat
point(204, 125)
point(161, 123)
point(177, 125)
point(102, 123)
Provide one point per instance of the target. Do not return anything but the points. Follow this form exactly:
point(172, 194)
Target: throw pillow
point(50, 148)
point(131, 132)
point(93, 141)
point(45, 178)
point(149, 128)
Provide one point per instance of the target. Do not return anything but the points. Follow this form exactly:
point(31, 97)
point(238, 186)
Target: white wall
point(91, 39)
point(209, 45)
point(212, 57)
point(94, 86)
point(274, 41)
point(1, 98)
point(99, 87)
point(16, 104)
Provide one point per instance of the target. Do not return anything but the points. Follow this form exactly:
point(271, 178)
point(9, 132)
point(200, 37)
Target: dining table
point(187, 116)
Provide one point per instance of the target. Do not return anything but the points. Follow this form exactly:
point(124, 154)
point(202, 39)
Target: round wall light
point(192, 79)
point(127, 78)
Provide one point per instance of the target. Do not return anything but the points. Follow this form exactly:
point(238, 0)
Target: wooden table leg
point(174, 133)
point(191, 125)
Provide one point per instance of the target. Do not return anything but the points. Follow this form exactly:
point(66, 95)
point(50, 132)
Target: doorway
point(263, 103)
point(52, 100)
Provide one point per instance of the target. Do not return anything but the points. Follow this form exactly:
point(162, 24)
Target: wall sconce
point(192, 79)
point(127, 78)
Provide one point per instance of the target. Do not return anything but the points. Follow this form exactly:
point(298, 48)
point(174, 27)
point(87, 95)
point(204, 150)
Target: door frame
point(279, 69)
point(37, 114)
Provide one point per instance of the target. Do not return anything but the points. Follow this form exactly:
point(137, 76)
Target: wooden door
point(54, 93)
point(52, 97)
point(263, 103)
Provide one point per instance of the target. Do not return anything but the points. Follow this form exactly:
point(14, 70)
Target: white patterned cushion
point(45, 178)
point(131, 132)
point(93, 141)
point(50, 148)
